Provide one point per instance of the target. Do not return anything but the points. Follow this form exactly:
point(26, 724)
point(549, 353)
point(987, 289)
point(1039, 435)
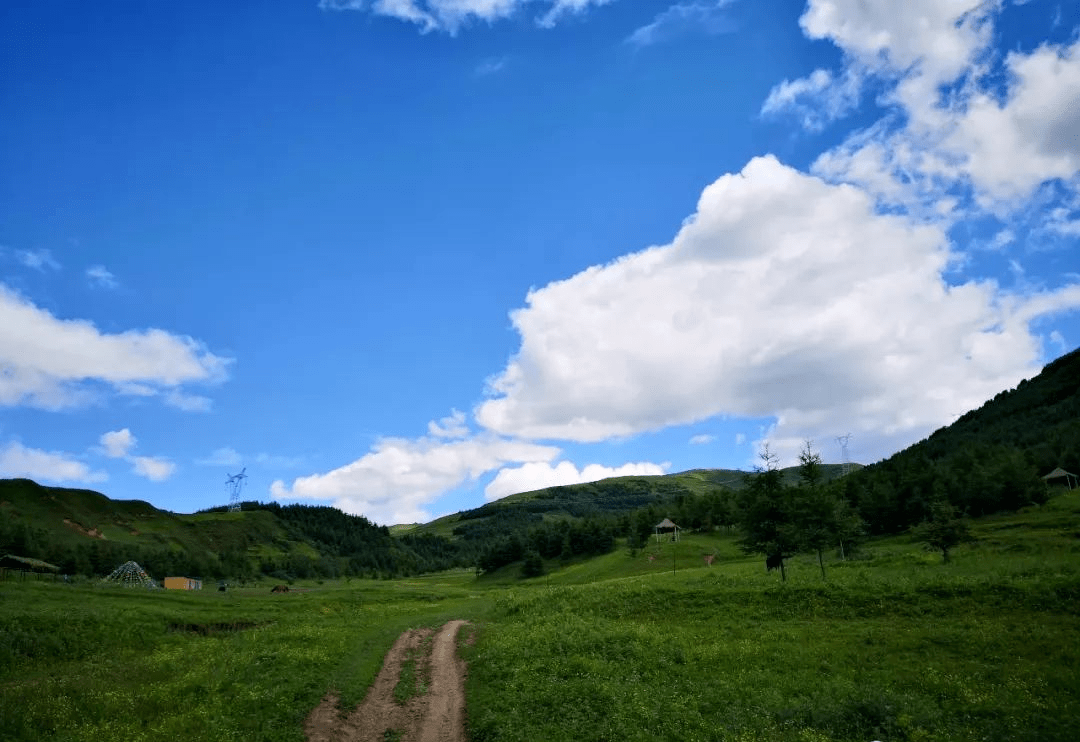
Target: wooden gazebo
point(1059, 478)
point(666, 526)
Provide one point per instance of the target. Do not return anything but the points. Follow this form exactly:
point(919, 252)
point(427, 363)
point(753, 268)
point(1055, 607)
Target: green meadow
point(647, 645)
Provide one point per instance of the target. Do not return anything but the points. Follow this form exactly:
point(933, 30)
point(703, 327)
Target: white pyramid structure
point(130, 574)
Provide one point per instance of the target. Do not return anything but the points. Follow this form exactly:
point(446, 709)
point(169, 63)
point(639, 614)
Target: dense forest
point(990, 460)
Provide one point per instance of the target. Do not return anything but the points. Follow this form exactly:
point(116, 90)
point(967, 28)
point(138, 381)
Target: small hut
point(1061, 479)
point(666, 526)
point(181, 583)
point(24, 567)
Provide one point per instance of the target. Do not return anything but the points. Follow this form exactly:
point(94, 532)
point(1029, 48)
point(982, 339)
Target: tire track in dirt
point(435, 716)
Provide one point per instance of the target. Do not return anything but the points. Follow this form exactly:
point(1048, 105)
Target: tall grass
point(894, 646)
point(91, 664)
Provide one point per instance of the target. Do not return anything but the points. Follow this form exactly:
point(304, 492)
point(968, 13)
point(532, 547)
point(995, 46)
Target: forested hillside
point(85, 533)
point(991, 459)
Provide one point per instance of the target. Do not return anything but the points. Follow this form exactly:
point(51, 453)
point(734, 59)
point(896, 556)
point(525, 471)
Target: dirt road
point(437, 715)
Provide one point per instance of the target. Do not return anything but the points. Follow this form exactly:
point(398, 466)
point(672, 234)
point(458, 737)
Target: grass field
point(895, 645)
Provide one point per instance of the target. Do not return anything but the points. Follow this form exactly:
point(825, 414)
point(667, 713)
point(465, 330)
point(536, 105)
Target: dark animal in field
point(279, 589)
point(773, 561)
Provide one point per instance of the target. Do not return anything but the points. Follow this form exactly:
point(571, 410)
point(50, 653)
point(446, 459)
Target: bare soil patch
point(435, 715)
point(91, 532)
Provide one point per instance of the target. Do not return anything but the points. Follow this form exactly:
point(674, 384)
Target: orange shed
point(182, 583)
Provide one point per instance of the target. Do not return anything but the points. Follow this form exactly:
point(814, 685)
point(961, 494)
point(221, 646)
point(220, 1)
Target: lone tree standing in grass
point(814, 510)
point(944, 530)
point(533, 565)
point(765, 514)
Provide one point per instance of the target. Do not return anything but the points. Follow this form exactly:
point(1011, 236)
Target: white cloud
point(1058, 341)
point(536, 475)
point(117, 443)
point(100, 276)
point(230, 457)
point(934, 39)
point(451, 15)
point(700, 440)
point(16, 460)
point(683, 19)
point(39, 260)
point(740, 438)
point(396, 480)
point(1009, 148)
point(188, 402)
point(960, 117)
point(280, 462)
point(221, 457)
point(55, 363)
point(562, 8)
point(782, 296)
point(154, 468)
point(817, 99)
point(452, 426)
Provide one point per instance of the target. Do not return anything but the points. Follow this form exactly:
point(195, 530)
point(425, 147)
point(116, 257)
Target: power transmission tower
point(845, 460)
point(233, 485)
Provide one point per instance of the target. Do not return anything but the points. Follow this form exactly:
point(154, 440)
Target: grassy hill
point(72, 516)
point(85, 532)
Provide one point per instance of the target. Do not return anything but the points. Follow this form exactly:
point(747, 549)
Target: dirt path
point(437, 715)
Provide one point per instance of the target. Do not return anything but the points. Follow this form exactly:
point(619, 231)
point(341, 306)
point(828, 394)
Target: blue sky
point(406, 256)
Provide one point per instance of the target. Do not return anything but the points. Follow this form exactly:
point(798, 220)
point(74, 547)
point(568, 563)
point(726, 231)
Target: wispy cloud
point(39, 260)
point(817, 99)
point(101, 277)
point(450, 16)
point(562, 8)
point(227, 456)
point(224, 456)
point(685, 19)
point(188, 402)
point(490, 66)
